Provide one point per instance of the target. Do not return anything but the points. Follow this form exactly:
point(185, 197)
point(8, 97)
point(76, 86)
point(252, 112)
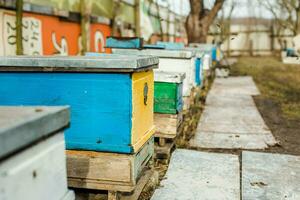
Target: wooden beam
point(19, 32)
point(137, 19)
point(85, 25)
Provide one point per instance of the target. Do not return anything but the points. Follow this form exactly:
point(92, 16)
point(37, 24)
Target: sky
point(243, 8)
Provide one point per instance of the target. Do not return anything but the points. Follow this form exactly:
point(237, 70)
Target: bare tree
point(286, 14)
point(200, 19)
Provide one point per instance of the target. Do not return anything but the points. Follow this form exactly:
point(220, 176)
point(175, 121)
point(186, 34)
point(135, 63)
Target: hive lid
point(180, 54)
point(99, 63)
point(22, 126)
point(169, 77)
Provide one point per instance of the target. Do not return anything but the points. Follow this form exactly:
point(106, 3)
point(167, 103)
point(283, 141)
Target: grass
point(276, 80)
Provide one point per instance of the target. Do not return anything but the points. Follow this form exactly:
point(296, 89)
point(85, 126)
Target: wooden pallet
point(149, 176)
point(107, 171)
point(163, 149)
point(167, 125)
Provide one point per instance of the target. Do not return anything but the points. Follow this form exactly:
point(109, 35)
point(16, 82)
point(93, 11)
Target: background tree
point(200, 19)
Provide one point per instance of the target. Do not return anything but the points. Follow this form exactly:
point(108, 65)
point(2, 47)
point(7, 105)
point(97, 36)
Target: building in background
point(55, 27)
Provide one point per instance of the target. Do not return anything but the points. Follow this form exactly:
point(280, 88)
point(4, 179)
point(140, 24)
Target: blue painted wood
point(154, 46)
point(100, 105)
point(198, 71)
point(214, 53)
point(128, 43)
point(171, 45)
point(179, 97)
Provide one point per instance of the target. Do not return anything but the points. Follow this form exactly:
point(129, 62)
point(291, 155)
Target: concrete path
point(270, 176)
point(200, 175)
point(230, 119)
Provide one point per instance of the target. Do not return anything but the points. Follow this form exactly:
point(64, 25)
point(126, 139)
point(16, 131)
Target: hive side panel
point(142, 108)
point(99, 105)
point(39, 172)
point(165, 97)
point(182, 66)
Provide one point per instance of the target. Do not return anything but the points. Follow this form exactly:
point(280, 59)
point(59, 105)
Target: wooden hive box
point(124, 42)
point(32, 153)
point(168, 103)
point(111, 96)
point(179, 61)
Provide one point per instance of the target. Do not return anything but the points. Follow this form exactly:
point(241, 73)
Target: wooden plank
point(147, 176)
point(167, 125)
point(142, 108)
point(164, 152)
point(107, 171)
point(169, 77)
point(102, 62)
point(37, 172)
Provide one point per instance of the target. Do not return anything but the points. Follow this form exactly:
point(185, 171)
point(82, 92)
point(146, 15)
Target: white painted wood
point(169, 77)
point(38, 172)
point(21, 126)
point(291, 60)
point(186, 66)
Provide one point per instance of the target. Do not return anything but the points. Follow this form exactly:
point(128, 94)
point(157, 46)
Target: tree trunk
point(199, 20)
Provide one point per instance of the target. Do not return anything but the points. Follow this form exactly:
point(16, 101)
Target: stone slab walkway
point(270, 176)
point(230, 119)
point(200, 175)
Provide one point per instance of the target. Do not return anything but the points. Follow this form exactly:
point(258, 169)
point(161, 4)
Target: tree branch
point(214, 11)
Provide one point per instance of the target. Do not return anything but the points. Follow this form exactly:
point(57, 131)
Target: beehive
point(168, 103)
point(111, 97)
point(168, 92)
point(179, 61)
point(32, 153)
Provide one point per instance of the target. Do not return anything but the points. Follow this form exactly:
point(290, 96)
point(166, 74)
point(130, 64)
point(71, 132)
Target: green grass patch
point(275, 80)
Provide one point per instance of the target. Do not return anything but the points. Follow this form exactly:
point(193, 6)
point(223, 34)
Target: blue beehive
point(124, 42)
point(111, 97)
point(171, 45)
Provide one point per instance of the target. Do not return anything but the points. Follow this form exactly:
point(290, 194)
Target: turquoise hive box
point(111, 96)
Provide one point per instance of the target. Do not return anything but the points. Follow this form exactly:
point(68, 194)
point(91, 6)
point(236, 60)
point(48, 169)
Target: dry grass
point(276, 80)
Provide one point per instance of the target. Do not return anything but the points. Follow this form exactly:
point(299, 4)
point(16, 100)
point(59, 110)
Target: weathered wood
point(107, 171)
point(102, 63)
point(164, 152)
point(36, 173)
point(22, 126)
point(169, 77)
point(167, 125)
point(19, 27)
point(145, 178)
point(112, 195)
point(85, 11)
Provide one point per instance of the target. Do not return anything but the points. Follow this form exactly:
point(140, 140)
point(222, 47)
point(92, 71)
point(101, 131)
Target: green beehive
point(168, 92)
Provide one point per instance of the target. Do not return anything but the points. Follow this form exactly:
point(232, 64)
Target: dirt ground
point(279, 102)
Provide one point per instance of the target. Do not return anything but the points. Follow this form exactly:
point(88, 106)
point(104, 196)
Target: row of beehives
point(110, 140)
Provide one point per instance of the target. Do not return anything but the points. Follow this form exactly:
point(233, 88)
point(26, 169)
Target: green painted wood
point(167, 98)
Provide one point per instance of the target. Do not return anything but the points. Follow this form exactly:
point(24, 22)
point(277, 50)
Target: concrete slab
point(234, 86)
point(226, 101)
point(270, 176)
point(194, 175)
point(230, 119)
point(219, 140)
point(232, 115)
